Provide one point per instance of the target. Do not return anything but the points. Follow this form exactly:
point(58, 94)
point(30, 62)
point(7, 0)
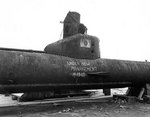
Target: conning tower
point(75, 43)
point(72, 25)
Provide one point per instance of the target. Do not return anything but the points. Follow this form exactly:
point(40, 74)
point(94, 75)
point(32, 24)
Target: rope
point(61, 35)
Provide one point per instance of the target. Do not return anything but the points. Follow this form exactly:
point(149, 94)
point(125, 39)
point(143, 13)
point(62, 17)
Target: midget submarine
point(72, 63)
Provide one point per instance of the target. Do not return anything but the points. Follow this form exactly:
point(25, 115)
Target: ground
point(79, 109)
point(95, 108)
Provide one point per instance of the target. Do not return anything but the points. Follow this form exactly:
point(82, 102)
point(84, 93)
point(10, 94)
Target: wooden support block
point(129, 99)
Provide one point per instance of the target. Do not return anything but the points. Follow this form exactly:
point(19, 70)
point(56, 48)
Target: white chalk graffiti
point(78, 74)
point(79, 69)
point(83, 69)
point(73, 63)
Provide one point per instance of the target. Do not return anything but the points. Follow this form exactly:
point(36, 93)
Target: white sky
point(123, 26)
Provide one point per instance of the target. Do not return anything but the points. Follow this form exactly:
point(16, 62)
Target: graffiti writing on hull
point(79, 69)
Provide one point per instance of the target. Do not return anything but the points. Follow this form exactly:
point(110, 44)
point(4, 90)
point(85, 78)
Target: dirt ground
point(98, 108)
point(104, 107)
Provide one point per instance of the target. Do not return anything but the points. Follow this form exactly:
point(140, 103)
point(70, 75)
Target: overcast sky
point(123, 26)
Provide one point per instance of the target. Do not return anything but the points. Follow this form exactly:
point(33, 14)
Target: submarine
point(72, 63)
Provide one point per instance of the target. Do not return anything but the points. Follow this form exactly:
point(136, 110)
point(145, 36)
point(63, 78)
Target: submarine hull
point(24, 71)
